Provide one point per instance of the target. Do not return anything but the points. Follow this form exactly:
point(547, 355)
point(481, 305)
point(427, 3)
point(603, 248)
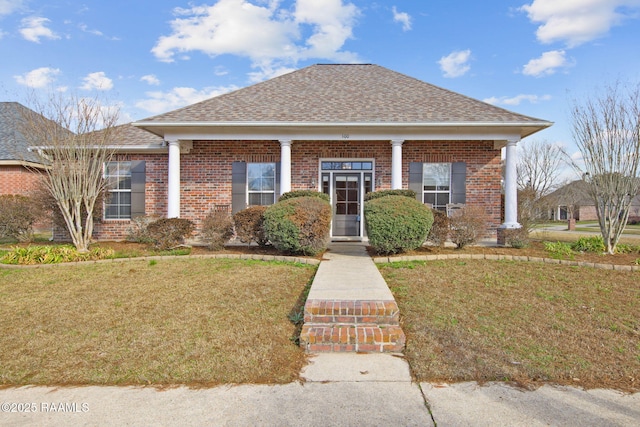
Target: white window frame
point(261, 192)
point(117, 179)
point(435, 192)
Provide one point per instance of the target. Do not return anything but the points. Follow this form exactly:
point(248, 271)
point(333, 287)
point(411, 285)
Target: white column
point(510, 187)
point(173, 191)
point(285, 166)
point(396, 164)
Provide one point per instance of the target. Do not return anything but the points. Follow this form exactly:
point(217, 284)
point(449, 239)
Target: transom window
point(261, 183)
point(436, 184)
point(339, 166)
point(118, 200)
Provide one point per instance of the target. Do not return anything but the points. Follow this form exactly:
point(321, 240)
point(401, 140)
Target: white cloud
point(38, 78)
point(7, 7)
point(150, 79)
point(271, 37)
point(403, 18)
point(160, 102)
point(34, 27)
point(517, 100)
point(577, 21)
point(97, 81)
point(456, 63)
point(547, 64)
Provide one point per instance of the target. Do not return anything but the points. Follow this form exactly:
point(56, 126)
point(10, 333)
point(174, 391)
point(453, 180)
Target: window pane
point(442, 199)
point(430, 198)
point(436, 175)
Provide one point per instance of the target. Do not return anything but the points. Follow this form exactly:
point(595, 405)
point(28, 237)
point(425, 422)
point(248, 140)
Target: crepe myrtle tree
point(606, 129)
point(539, 166)
point(76, 136)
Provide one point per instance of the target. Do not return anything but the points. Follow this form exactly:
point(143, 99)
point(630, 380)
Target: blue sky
point(148, 57)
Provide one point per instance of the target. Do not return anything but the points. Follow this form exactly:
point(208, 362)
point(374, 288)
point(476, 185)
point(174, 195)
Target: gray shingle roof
point(13, 144)
point(360, 93)
point(128, 135)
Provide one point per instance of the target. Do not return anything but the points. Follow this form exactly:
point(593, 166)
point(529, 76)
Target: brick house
point(341, 129)
point(18, 165)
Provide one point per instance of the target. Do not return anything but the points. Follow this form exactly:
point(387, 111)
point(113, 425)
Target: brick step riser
point(356, 312)
point(352, 338)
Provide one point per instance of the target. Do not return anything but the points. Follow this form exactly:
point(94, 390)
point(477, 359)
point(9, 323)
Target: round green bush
point(299, 225)
point(303, 193)
point(396, 223)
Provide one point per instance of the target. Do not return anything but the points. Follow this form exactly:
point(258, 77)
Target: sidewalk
point(340, 389)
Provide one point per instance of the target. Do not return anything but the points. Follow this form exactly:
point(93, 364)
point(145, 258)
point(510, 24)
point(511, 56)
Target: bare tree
point(606, 129)
point(539, 166)
point(76, 136)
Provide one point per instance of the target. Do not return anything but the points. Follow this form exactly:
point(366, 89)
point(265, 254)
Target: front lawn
point(179, 321)
point(481, 320)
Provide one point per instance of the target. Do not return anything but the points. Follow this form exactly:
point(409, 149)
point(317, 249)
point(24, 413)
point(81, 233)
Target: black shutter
point(138, 180)
point(238, 186)
point(415, 179)
point(458, 182)
point(277, 189)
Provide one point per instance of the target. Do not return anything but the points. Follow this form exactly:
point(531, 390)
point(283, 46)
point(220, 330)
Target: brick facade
point(16, 179)
point(206, 172)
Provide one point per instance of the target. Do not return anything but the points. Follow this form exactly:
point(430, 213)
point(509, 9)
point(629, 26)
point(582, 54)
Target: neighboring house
point(341, 129)
point(18, 165)
point(573, 200)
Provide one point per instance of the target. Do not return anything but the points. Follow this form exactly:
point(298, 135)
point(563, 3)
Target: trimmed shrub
point(517, 237)
point(249, 225)
point(440, 229)
point(167, 233)
point(396, 223)
point(17, 216)
point(303, 193)
point(467, 226)
point(217, 229)
point(300, 225)
point(385, 193)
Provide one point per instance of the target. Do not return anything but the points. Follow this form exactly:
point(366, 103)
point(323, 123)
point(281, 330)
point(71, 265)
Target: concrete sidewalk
point(340, 389)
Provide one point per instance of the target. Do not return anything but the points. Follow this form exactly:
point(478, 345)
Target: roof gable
point(357, 93)
point(13, 144)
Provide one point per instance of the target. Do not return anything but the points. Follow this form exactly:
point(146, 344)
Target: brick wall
point(17, 180)
point(206, 172)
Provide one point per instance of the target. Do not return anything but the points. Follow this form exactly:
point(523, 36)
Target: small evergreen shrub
point(439, 231)
point(217, 229)
point(17, 216)
point(249, 225)
point(517, 237)
point(299, 225)
point(167, 233)
point(303, 193)
point(467, 226)
point(384, 193)
point(396, 223)
point(589, 244)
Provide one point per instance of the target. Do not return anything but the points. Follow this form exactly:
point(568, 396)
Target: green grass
point(180, 321)
point(531, 323)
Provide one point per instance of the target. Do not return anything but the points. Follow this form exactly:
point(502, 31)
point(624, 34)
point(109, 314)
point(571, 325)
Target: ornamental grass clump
point(396, 223)
point(31, 255)
point(298, 225)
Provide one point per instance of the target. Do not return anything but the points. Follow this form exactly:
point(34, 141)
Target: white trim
point(285, 166)
point(396, 164)
point(173, 184)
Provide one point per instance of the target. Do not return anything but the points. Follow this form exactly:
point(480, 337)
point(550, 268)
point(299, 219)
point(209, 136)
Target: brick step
point(352, 338)
point(351, 312)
